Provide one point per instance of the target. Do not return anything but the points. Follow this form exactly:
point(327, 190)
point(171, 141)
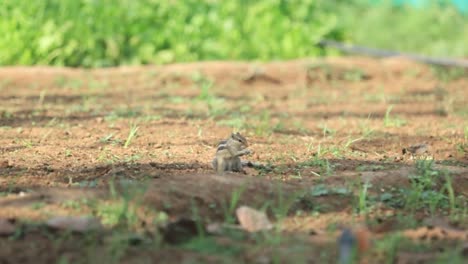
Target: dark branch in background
point(388, 53)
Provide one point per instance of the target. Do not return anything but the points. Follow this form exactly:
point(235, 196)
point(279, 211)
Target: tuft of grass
point(262, 126)
point(319, 160)
point(230, 207)
point(238, 122)
point(208, 245)
point(428, 190)
point(448, 74)
point(131, 134)
point(107, 138)
point(354, 75)
point(214, 104)
point(123, 112)
point(68, 153)
point(326, 131)
point(27, 143)
point(450, 192)
point(284, 202)
point(365, 128)
point(42, 95)
point(363, 197)
point(108, 157)
point(390, 121)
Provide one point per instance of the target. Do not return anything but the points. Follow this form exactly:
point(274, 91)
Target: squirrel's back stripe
point(221, 147)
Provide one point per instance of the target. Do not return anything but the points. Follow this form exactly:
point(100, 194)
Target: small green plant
point(38, 205)
point(262, 126)
point(131, 134)
point(284, 202)
point(318, 160)
point(114, 213)
point(451, 255)
point(42, 95)
point(366, 130)
point(132, 158)
point(448, 74)
point(390, 121)
point(108, 157)
point(111, 139)
point(215, 105)
point(123, 112)
point(354, 75)
point(121, 210)
point(320, 71)
point(87, 184)
point(238, 122)
point(389, 246)
point(74, 204)
point(370, 167)
point(198, 220)
point(350, 141)
point(326, 131)
point(6, 114)
point(230, 207)
point(208, 245)
point(68, 153)
point(425, 191)
point(94, 84)
point(363, 197)
point(205, 86)
point(107, 138)
point(450, 192)
point(28, 143)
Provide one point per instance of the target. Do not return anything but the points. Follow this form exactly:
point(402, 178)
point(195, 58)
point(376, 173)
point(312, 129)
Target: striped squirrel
point(228, 154)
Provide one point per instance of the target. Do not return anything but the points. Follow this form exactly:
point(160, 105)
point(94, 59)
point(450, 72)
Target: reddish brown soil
point(53, 122)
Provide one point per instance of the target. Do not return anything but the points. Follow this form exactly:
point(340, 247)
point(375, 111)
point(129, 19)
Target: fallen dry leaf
point(75, 223)
point(6, 227)
point(252, 220)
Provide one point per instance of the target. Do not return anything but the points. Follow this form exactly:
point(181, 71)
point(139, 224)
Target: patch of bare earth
point(333, 122)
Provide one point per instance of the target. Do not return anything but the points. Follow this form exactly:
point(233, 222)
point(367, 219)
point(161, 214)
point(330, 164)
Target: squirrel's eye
point(239, 140)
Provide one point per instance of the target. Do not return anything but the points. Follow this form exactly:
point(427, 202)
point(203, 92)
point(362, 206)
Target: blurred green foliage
point(94, 33)
point(97, 33)
point(434, 29)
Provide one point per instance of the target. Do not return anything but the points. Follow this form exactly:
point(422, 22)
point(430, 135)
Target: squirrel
point(228, 154)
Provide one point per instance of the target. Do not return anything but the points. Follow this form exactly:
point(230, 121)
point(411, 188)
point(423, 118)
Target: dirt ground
point(333, 123)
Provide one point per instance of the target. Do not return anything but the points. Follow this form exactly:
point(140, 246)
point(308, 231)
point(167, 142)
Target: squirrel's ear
point(232, 135)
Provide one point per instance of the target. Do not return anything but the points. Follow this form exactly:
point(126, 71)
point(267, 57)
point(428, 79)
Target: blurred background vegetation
point(99, 33)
